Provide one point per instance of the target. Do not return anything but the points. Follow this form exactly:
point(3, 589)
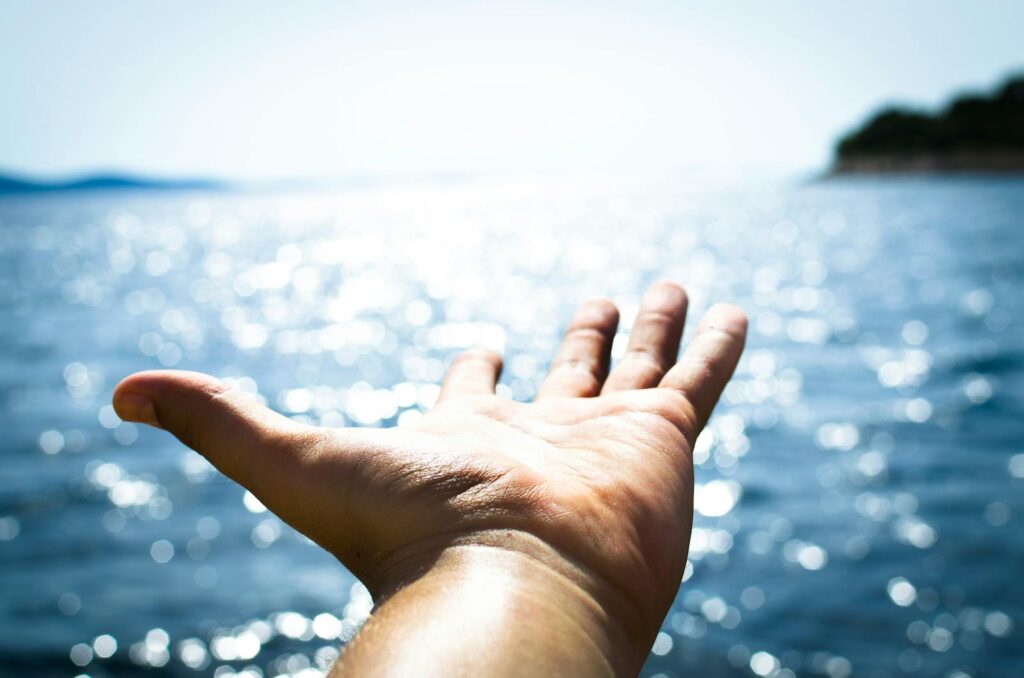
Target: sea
point(860, 489)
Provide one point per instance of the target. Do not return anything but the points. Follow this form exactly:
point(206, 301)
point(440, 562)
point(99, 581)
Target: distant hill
point(973, 133)
point(11, 184)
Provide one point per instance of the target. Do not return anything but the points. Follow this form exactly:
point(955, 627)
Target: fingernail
point(137, 408)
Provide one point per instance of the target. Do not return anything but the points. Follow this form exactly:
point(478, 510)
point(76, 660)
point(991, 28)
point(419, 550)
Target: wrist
point(530, 587)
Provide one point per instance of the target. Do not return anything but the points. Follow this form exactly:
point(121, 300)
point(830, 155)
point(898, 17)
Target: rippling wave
point(859, 490)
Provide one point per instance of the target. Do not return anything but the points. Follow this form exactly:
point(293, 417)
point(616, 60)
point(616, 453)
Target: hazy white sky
point(252, 89)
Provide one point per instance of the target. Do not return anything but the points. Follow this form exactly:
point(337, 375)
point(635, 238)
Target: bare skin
point(498, 538)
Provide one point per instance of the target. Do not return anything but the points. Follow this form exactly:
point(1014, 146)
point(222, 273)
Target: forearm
point(484, 609)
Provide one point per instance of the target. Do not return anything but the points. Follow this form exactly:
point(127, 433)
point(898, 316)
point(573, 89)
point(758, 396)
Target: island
point(10, 184)
point(973, 133)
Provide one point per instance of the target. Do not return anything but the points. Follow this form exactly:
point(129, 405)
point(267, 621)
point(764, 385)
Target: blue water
point(869, 449)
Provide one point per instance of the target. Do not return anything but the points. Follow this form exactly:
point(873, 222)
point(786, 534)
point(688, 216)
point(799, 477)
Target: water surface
point(859, 500)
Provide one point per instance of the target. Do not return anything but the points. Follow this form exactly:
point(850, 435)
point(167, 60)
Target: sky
point(329, 89)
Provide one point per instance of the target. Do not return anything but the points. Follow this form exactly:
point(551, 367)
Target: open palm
point(597, 468)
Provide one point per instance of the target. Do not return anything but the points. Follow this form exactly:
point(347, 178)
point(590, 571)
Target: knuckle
point(657, 316)
point(576, 365)
point(703, 367)
point(726, 333)
point(585, 333)
point(645, 356)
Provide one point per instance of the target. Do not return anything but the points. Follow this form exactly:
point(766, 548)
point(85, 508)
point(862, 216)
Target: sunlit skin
point(498, 538)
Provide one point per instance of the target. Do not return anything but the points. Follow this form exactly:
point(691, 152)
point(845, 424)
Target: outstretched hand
point(589, 487)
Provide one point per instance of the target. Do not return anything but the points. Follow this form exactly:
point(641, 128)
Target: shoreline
point(960, 163)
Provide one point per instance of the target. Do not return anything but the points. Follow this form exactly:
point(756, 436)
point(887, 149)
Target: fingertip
point(728, 318)
point(135, 407)
point(599, 312)
point(667, 283)
point(136, 396)
point(666, 296)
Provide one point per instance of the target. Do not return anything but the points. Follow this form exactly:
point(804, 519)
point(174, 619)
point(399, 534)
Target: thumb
point(245, 440)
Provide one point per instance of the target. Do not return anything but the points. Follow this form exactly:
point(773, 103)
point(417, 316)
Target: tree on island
point(973, 132)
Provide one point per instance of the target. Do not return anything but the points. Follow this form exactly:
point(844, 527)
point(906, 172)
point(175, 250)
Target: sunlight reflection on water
point(857, 491)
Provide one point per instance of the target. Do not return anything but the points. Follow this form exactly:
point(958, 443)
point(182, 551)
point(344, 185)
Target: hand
point(589, 487)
